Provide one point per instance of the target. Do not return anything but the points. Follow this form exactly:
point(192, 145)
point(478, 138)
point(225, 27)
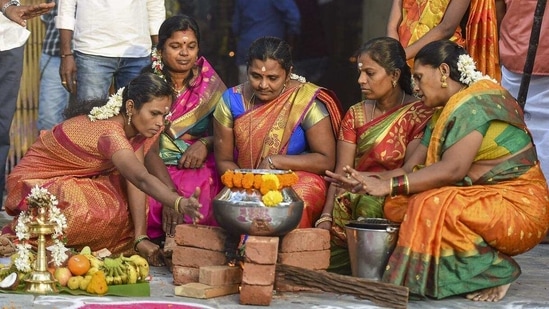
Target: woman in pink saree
point(186, 143)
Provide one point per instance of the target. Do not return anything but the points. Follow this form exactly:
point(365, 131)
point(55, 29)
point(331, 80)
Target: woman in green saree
point(471, 196)
point(375, 136)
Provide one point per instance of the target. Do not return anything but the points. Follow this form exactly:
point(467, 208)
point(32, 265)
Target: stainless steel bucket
point(371, 242)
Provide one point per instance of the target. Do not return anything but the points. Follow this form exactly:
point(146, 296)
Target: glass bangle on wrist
point(271, 164)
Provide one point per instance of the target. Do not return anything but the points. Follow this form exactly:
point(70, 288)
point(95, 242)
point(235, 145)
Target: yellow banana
point(142, 265)
point(132, 273)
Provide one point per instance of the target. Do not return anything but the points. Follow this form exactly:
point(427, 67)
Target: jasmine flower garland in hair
point(299, 78)
point(157, 64)
point(40, 198)
point(111, 109)
point(468, 71)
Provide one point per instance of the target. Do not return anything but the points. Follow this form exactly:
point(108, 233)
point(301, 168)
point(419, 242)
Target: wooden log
point(380, 293)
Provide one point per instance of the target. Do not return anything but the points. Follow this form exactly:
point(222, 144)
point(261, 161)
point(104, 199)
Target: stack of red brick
point(200, 247)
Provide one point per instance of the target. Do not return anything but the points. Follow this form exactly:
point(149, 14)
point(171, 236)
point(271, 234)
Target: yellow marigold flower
point(269, 182)
point(272, 198)
point(227, 178)
point(248, 181)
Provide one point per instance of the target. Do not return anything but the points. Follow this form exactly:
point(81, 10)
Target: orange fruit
point(78, 264)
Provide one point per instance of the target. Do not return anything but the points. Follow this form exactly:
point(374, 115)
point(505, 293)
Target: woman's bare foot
point(151, 252)
point(491, 294)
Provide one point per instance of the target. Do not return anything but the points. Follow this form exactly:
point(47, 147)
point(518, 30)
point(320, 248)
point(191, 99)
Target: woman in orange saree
point(415, 23)
point(276, 121)
point(478, 197)
point(375, 136)
point(93, 164)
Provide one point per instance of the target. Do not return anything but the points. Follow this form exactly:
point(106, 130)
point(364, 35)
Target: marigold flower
point(272, 198)
point(248, 181)
point(227, 179)
point(237, 180)
point(257, 181)
point(288, 179)
point(269, 182)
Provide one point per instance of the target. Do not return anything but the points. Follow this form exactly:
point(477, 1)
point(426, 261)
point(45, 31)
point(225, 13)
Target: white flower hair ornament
point(157, 64)
point(468, 71)
point(111, 109)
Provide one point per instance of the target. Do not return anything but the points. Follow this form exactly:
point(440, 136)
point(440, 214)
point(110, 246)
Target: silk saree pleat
point(482, 37)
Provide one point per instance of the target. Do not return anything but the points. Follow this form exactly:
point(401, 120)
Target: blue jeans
point(95, 73)
point(11, 64)
point(53, 97)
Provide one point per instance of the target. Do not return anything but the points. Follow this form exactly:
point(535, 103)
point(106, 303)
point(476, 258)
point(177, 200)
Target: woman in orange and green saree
point(417, 22)
point(93, 162)
point(471, 196)
point(376, 135)
point(276, 120)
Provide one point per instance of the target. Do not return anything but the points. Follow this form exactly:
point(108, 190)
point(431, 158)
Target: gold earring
point(129, 118)
point(394, 83)
point(443, 84)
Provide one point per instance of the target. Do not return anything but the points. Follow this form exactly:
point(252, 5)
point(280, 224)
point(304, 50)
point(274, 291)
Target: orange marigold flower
point(288, 180)
point(227, 179)
point(248, 181)
point(257, 181)
point(237, 180)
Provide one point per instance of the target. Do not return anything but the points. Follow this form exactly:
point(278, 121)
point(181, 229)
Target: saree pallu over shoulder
point(484, 101)
point(197, 101)
point(260, 134)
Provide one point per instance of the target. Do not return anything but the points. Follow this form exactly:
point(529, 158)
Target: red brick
point(220, 275)
point(260, 295)
point(257, 274)
point(200, 236)
point(184, 275)
point(195, 257)
point(314, 260)
point(308, 239)
point(261, 250)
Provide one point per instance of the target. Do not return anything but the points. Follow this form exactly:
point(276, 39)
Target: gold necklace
point(375, 105)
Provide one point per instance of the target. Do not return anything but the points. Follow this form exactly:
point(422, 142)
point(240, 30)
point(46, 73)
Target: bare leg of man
point(491, 294)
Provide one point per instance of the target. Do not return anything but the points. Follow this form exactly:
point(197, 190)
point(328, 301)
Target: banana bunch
point(115, 271)
point(137, 266)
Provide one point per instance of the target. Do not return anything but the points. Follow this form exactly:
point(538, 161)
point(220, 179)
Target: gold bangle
point(66, 55)
point(406, 184)
point(204, 141)
point(176, 204)
point(322, 220)
point(139, 239)
point(326, 214)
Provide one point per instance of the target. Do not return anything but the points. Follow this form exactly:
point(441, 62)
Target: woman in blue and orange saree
point(93, 163)
point(186, 144)
point(276, 120)
point(471, 196)
point(376, 135)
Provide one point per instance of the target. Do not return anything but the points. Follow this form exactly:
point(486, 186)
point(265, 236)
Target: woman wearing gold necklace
point(276, 120)
point(186, 143)
point(376, 135)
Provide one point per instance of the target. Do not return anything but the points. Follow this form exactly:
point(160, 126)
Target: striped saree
point(458, 239)
point(73, 161)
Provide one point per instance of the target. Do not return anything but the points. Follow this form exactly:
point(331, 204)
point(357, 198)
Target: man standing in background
point(112, 43)
point(253, 19)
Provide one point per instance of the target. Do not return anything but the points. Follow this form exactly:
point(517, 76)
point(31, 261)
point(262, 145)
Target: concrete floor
point(529, 291)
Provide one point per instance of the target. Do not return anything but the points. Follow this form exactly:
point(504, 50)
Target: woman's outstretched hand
point(187, 206)
point(191, 206)
point(357, 182)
